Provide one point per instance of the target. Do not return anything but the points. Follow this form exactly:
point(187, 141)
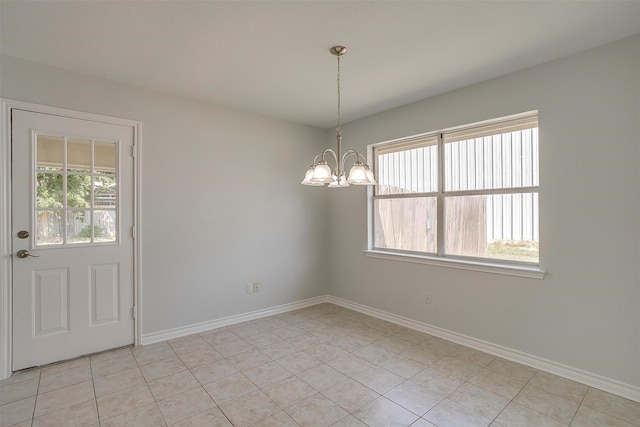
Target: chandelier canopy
point(320, 173)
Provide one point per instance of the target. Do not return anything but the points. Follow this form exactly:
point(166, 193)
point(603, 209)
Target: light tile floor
point(319, 366)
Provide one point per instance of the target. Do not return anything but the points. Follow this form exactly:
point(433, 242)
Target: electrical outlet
point(427, 298)
point(249, 288)
point(256, 287)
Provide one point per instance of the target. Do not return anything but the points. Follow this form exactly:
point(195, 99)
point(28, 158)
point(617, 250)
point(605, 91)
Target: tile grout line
point(155, 401)
point(113, 392)
point(607, 414)
point(532, 409)
point(579, 406)
point(446, 397)
point(513, 399)
point(200, 385)
point(95, 395)
point(33, 414)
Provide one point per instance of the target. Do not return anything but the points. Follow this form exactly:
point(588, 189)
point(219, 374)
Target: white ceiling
point(272, 57)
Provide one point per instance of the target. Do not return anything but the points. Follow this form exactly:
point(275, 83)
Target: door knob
point(23, 253)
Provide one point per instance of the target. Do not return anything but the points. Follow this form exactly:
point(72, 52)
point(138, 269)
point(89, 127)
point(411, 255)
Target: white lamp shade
point(358, 175)
point(322, 174)
point(370, 177)
point(307, 178)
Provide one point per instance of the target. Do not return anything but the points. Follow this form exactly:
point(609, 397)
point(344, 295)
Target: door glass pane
point(78, 191)
point(49, 227)
point(408, 224)
point(49, 190)
point(104, 226)
point(105, 157)
point(78, 155)
point(501, 226)
point(50, 152)
point(79, 226)
point(104, 191)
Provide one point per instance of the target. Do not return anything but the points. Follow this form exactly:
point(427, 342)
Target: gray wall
point(586, 312)
point(222, 202)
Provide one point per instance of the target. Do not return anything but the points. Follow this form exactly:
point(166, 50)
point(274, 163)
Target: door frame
point(6, 289)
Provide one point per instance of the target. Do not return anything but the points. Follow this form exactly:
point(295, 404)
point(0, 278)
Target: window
point(76, 191)
point(469, 193)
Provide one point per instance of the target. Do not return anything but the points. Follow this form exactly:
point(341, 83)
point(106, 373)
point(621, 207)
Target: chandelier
point(319, 173)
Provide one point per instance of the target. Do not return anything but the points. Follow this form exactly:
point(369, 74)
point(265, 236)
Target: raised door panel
point(50, 301)
point(105, 304)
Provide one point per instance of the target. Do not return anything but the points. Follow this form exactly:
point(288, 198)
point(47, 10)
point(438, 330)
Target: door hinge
point(134, 312)
point(134, 151)
point(133, 231)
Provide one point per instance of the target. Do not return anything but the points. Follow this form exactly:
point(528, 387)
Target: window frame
point(440, 258)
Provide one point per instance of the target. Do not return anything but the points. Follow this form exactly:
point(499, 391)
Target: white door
point(72, 231)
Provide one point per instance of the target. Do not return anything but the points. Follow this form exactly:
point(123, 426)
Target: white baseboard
point(230, 320)
point(594, 380)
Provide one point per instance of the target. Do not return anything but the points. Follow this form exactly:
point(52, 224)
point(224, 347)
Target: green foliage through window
point(50, 190)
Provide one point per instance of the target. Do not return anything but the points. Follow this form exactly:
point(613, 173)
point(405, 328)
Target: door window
point(76, 191)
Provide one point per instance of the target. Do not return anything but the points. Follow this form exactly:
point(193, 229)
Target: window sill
point(509, 270)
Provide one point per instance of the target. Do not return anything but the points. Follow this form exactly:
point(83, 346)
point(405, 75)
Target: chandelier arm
point(364, 159)
point(315, 159)
point(358, 156)
point(333, 154)
point(347, 154)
